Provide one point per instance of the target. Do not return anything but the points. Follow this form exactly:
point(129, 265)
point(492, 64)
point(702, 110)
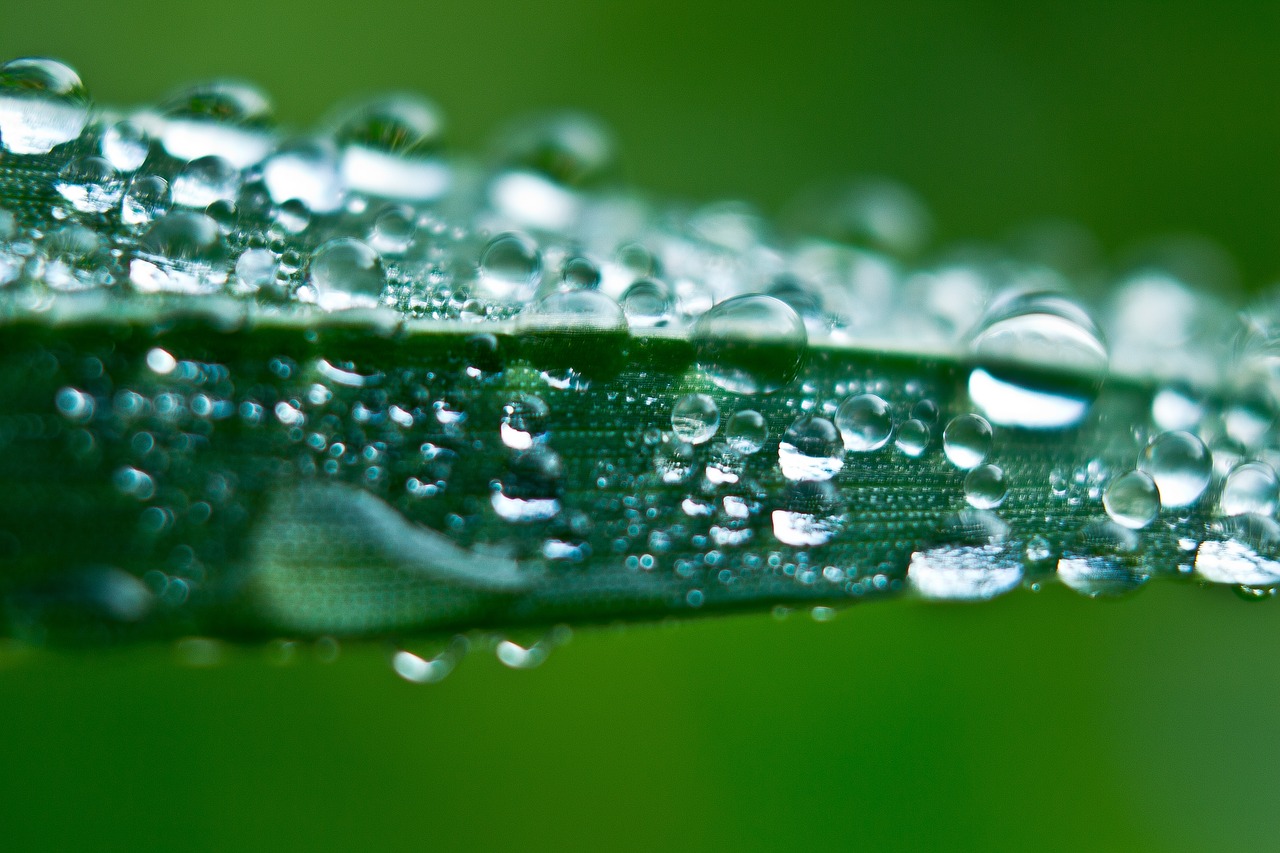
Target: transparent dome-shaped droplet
point(695, 418)
point(866, 423)
point(984, 487)
point(205, 181)
point(750, 344)
point(1101, 561)
point(530, 489)
point(227, 119)
point(90, 184)
point(812, 514)
point(811, 449)
point(75, 255)
point(524, 419)
point(256, 269)
point(1180, 465)
point(146, 199)
point(394, 230)
point(181, 252)
point(971, 561)
point(510, 267)
point(746, 431)
point(346, 273)
point(1039, 362)
point(647, 303)
point(875, 213)
point(307, 172)
point(573, 310)
point(913, 438)
point(580, 273)
point(43, 104)
point(293, 216)
point(125, 145)
point(673, 458)
point(570, 149)
point(1242, 549)
point(1132, 499)
point(390, 147)
point(1251, 487)
point(967, 441)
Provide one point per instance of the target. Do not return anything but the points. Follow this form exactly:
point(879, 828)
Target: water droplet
point(531, 489)
point(306, 172)
point(419, 670)
point(812, 515)
point(984, 487)
point(256, 269)
point(574, 311)
point(746, 431)
point(1132, 499)
point(204, 181)
point(811, 449)
point(390, 146)
point(346, 273)
point(524, 420)
point(967, 441)
point(1039, 362)
point(750, 344)
point(146, 199)
point(394, 230)
point(865, 422)
point(226, 119)
point(125, 145)
point(183, 251)
point(673, 458)
point(971, 563)
point(913, 438)
point(1251, 487)
point(695, 418)
point(43, 104)
point(510, 267)
point(1180, 465)
point(647, 304)
point(90, 184)
point(580, 273)
point(1101, 561)
point(1242, 550)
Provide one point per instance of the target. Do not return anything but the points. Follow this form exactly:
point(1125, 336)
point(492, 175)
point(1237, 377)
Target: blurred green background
point(1035, 722)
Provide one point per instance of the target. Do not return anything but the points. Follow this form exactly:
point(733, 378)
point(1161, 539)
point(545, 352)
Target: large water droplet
point(811, 449)
point(90, 184)
point(1180, 465)
point(227, 119)
point(182, 252)
point(43, 104)
point(346, 273)
point(647, 303)
point(205, 181)
point(1039, 362)
point(695, 418)
point(125, 145)
point(306, 172)
point(746, 431)
point(1132, 499)
point(812, 515)
point(1243, 550)
point(865, 422)
point(390, 146)
point(967, 441)
point(1251, 487)
point(913, 438)
point(750, 344)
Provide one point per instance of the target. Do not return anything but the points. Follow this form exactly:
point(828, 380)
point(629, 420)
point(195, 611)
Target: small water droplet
point(913, 438)
point(812, 515)
point(746, 431)
point(1180, 465)
point(984, 487)
point(227, 119)
point(146, 199)
point(306, 172)
point(125, 145)
point(1132, 499)
point(1101, 561)
point(510, 267)
point(1243, 549)
point(811, 449)
point(183, 251)
point(695, 418)
point(580, 273)
point(204, 181)
point(865, 422)
point(524, 420)
point(90, 184)
point(967, 441)
point(750, 344)
point(256, 269)
point(647, 304)
point(390, 147)
point(1251, 487)
point(346, 273)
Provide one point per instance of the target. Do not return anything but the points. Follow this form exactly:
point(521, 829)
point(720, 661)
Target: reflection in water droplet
point(1039, 362)
point(967, 441)
point(984, 487)
point(346, 273)
point(865, 422)
point(147, 198)
point(647, 304)
point(973, 562)
point(125, 145)
point(746, 431)
point(390, 147)
point(811, 517)
point(1101, 561)
point(1132, 499)
point(750, 344)
point(90, 184)
point(524, 420)
point(1180, 465)
point(913, 438)
point(695, 418)
point(227, 119)
point(43, 104)
point(1251, 487)
point(184, 252)
point(1243, 550)
point(580, 273)
point(510, 267)
point(811, 449)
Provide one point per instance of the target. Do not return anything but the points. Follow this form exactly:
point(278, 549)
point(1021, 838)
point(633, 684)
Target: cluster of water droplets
point(826, 409)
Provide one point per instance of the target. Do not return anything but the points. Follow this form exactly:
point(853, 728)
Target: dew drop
point(1251, 487)
point(1101, 561)
point(580, 273)
point(695, 418)
point(971, 561)
point(524, 420)
point(390, 147)
point(812, 515)
point(746, 431)
point(306, 172)
point(1132, 499)
point(227, 119)
point(1180, 465)
point(984, 487)
point(865, 422)
point(510, 267)
point(811, 449)
point(346, 273)
point(967, 441)
point(43, 104)
point(1039, 362)
point(913, 438)
point(182, 251)
point(750, 344)
point(146, 199)
point(647, 303)
point(125, 145)
point(256, 269)
point(90, 184)
point(1244, 550)
point(205, 181)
